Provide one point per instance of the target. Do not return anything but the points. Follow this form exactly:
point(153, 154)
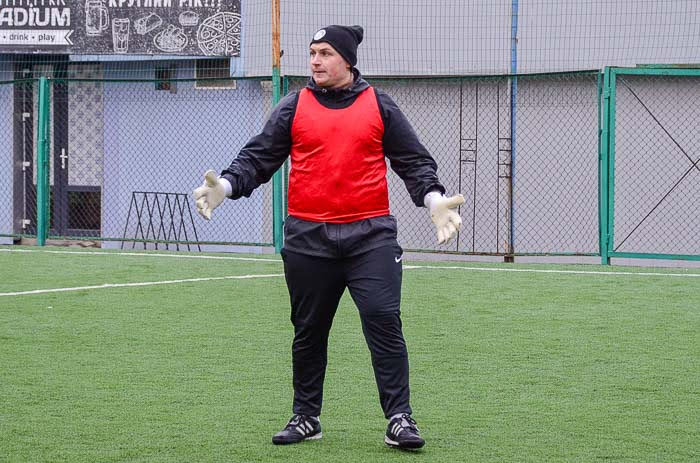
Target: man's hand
point(209, 195)
point(442, 211)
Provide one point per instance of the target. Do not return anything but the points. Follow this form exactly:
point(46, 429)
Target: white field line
point(145, 254)
point(409, 267)
point(571, 272)
point(187, 256)
point(144, 283)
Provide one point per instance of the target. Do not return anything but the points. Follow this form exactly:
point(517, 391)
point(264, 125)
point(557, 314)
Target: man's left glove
point(210, 195)
point(442, 211)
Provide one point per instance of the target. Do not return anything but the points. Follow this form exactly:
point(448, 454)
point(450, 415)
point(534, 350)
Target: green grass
point(504, 366)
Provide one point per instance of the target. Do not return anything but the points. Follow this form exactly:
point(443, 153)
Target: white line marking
point(191, 256)
point(144, 283)
point(571, 272)
point(278, 261)
point(145, 254)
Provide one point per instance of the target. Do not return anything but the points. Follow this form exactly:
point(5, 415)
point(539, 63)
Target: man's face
point(328, 68)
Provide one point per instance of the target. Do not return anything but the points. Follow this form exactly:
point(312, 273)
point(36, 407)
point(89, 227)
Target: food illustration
point(146, 24)
point(189, 18)
point(170, 39)
point(220, 34)
point(120, 34)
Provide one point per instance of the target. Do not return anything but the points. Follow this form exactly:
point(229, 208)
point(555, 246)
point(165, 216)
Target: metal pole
point(285, 166)
point(513, 113)
point(603, 123)
point(42, 176)
point(612, 104)
point(277, 200)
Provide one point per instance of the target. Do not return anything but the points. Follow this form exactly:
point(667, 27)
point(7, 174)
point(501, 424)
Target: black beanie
point(344, 39)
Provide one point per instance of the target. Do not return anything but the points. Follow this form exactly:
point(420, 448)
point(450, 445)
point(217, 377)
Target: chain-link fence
point(655, 165)
point(8, 186)
point(467, 125)
point(144, 97)
point(125, 154)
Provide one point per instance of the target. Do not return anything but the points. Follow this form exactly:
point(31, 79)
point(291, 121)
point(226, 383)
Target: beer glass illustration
point(120, 34)
point(96, 17)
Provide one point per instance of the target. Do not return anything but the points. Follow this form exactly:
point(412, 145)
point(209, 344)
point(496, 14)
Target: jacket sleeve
point(260, 158)
point(407, 155)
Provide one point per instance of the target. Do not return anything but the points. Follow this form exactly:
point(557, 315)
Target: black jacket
point(265, 153)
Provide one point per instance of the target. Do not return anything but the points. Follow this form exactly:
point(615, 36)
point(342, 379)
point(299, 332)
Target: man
point(339, 233)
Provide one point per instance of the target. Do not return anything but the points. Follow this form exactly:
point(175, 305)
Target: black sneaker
point(402, 433)
point(299, 428)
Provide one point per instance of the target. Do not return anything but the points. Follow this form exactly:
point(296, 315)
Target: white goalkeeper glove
point(442, 211)
point(211, 194)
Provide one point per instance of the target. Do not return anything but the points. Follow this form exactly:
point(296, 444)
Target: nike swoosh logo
point(398, 259)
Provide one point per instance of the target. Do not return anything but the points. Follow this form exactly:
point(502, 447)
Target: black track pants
point(315, 286)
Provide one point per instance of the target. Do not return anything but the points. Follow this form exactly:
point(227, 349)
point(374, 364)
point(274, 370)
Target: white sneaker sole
point(315, 436)
point(396, 445)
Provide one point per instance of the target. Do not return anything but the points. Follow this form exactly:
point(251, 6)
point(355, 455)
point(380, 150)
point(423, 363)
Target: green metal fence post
point(604, 128)
point(277, 199)
point(611, 166)
point(42, 176)
point(647, 70)
point(277, 202)
point(285, 166)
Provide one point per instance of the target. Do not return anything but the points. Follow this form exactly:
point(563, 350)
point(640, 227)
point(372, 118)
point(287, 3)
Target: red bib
point(338, 171)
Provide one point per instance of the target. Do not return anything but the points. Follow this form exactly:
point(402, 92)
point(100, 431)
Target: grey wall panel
point(556, 166)
point(466, 127)
point(657, 188)
point(159, 141)
point(6, 154)
point(453, 37)
point(460, 122)
point(406, 37)
point(481, 208)
point(256, 37)
point(560, 35)
point(433, 110)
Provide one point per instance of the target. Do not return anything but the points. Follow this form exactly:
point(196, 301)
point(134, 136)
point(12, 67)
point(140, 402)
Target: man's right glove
point(442, 211)
point(210, 195)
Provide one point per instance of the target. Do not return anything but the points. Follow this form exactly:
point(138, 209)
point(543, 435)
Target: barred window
point(165, 72)
point(214, 73)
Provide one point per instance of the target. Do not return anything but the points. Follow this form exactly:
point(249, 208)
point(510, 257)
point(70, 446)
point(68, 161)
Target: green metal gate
point(650, 164)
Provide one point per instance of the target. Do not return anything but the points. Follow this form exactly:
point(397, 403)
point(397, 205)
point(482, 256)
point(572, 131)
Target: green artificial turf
point(505, 366)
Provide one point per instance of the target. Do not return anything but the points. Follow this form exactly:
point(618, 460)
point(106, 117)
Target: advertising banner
point(138, 27)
